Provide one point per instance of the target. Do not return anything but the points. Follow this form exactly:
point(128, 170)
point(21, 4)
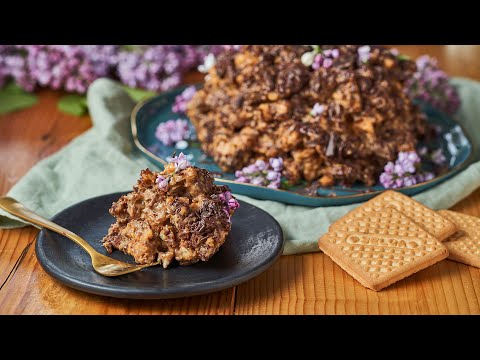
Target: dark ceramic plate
point(254, 244)
point(148, 114)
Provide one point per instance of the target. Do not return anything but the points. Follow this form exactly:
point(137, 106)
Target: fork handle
point(13, 207)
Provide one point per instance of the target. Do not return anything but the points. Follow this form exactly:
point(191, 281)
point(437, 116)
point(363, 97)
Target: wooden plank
point(319, 286)
point(32, 291)
point(13, 246)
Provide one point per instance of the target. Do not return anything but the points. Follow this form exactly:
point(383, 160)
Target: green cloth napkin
point(103, 160)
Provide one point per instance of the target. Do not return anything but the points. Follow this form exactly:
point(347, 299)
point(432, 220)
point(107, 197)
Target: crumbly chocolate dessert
point(339, 120)
point(178, 214)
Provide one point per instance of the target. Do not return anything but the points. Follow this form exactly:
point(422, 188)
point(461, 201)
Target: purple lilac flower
point(74, 67)
point(276, 164)
point(230, 203)
point(181, 101)
point(172, 131)
point(181, 162)
point(325, 58)
point(317, 109)
point(162, 182)
point(160, 67)
point(364, 53)
point(406, 171)
point(104, 58)
point(262, 173)
point(432, 85)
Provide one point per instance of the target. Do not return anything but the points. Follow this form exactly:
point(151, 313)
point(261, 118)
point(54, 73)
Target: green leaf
point(138, 94)
point(12, 98)
point(73, 104)
point(129, 47)
point(402, 57)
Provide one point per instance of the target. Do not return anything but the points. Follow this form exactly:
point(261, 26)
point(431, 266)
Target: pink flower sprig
point(181, 163)
point(406, 171)
point(262, 173)
point(325, 59)
point(318, 58)
point(171, 132)
point(230, 203)
point(432, 85)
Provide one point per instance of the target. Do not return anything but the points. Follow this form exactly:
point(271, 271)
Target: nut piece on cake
point(336, 122)
point(178, 213)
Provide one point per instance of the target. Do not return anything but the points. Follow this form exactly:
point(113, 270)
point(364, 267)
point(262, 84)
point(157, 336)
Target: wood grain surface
point(297, 284)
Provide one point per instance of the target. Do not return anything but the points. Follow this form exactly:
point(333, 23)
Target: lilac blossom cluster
point(172, 132)
point(262, 173)
point(181, 101)
point(406, 171)
point(229, 202)
point(325, 58)
point(74, 67)
point(181, 163)
point(431, 85)
point(318, 58)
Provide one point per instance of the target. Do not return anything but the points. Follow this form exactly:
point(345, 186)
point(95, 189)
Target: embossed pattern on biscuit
point(436, 224)
point(464, 245)
point(382, 248)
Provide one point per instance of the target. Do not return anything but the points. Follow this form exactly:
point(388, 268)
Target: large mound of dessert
point(334, 114)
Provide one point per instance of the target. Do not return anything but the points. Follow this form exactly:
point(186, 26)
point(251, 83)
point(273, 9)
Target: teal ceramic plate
point(148, 114)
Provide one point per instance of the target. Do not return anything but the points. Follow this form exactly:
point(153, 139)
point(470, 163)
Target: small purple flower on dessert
point(317, 109)
point(364, 53)
point(327, 63)
point(181, 101)
point(181, 162)
point(172, 131)
point(331, 53)
point(230, 203)
point(276, 164)
point(162, 182)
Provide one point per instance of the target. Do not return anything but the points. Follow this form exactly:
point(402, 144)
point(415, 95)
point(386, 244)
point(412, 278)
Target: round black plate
point(254, 244)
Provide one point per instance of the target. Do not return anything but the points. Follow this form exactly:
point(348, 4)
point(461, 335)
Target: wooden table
point(299, 284)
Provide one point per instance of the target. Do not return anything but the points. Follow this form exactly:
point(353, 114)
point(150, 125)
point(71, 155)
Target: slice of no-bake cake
point(178, 213)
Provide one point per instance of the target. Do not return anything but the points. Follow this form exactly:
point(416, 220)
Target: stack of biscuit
point(393, 236)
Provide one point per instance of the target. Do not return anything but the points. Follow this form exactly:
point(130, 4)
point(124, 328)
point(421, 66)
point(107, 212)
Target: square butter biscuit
point(436, 224)
point(464, 245)
point(382, 248)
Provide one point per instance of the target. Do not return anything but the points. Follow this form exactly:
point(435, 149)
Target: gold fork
point(102, 264)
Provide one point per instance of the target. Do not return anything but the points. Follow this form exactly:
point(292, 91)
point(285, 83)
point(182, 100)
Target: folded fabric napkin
point(103, 160)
